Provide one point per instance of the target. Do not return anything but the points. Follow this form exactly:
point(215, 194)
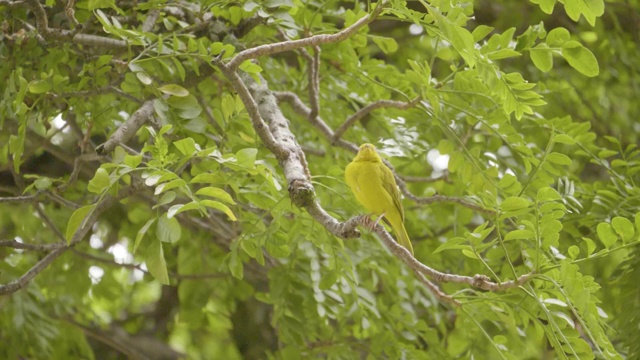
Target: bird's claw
point(378, 219)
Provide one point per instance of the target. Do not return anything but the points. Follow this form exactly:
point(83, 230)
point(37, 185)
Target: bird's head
point(367, 152)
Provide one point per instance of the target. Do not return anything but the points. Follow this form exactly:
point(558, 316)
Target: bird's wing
point(389, 184)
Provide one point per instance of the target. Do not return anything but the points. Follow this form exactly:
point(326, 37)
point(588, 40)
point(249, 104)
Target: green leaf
point(215, 48)
point(386, 44)
point(547, 194)
point(247, 157)
point(250, 67)
point(469, 254)
point(178, 208)
point(100, 181)
point(590, 9)
point(157, 265)
point(205, 178)
point(542, 57)
point(564, 139)
point(480, 32)
point(235, 265)
point(560, 159)
point(187, 106)
point(573, 251)
point(503, 54)
point(545, 5)
point(453, 243)
point(186, 146)
point(278, 251)
point(514, 203)
point(43, 183)
point(591, 246)
point(521, 234)
point(168, 229)
point(174, 90)
point(557, 37)
point(328, 279)
point(219, 206)
point(166, 198)
point(580, 58)
point(606, 234)
point(169, 185)
point(143, 230)
point(132, 160)
point(623, 227)
point(39, 86)
point(216, 193)
point(144, 78)
point(76, 220)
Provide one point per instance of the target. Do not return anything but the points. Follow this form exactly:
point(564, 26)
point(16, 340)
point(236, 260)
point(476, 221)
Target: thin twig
point(34, 247)
point(71, 14)
point(270, 49)
point(426, 179)
point(42, 24)
point(403, 105)
point(16, 199)
point(111, 262)
point(314, 83)
point(435, 290)
point(478, 281)
point(302, 109)
point(49, 223)
point(86, 225)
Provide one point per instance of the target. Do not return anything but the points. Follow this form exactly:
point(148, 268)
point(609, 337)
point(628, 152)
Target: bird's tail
point(403, 237)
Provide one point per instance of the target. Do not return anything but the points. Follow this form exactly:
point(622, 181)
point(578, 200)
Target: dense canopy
point(172, 179)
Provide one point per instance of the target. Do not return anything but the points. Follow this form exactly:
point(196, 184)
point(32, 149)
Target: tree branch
point(87, 223)
point(314, 82)
point(482, 282)
point(34, 247)
point(42, 24)
point(16, 199)
point(300, 108)
point(127, 130)
point(250, 104)
point(369, 108)
point(302, 193)
point(270, 49)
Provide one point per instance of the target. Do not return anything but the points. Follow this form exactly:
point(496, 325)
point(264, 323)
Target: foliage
point(152, 221)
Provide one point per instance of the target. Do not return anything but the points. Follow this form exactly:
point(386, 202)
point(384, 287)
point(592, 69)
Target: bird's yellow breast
point(365, 180)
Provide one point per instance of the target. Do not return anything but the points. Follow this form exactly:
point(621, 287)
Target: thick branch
point(127, 130)
point(270, 49)
point(150, 20)
point(250, 104)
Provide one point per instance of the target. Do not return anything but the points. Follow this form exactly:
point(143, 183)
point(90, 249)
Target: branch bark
point(270, 49)
point(127, 130)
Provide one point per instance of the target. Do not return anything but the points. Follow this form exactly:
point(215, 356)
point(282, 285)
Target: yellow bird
point(374, 186)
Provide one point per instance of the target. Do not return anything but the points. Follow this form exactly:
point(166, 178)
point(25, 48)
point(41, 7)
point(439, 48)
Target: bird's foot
point(377, 221)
